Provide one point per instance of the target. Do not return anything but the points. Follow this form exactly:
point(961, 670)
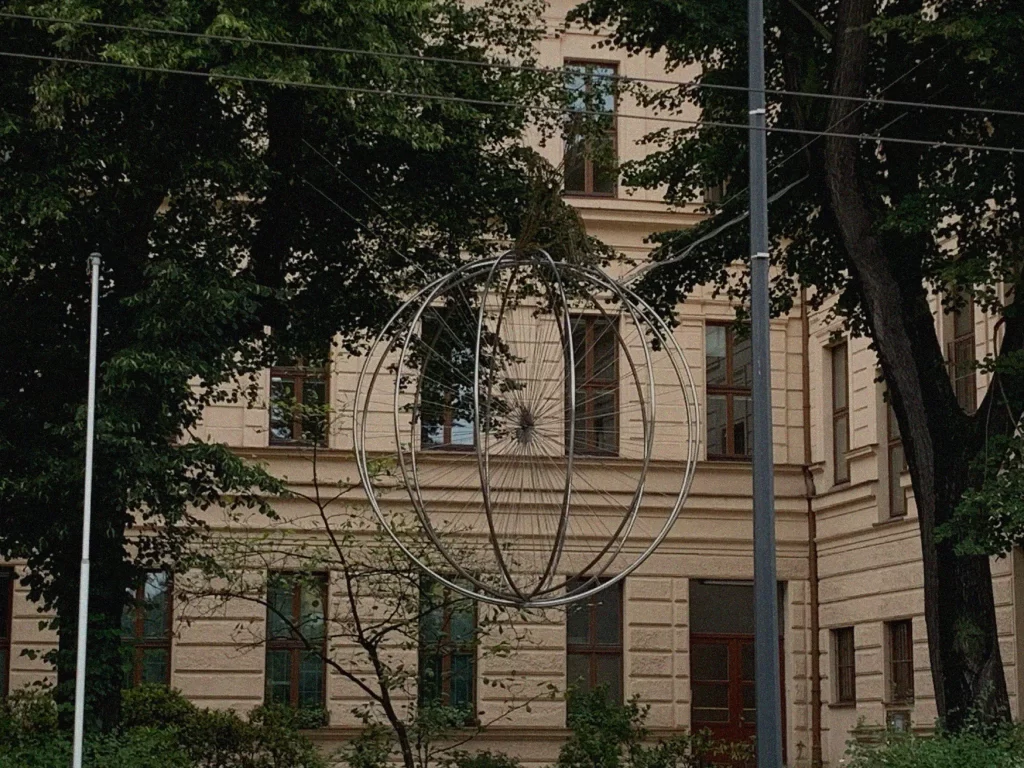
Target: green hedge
point(160, 729)
point(972, 748)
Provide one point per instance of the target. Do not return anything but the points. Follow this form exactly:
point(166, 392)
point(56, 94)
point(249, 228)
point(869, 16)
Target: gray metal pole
point(83, 582)
point(766, 618)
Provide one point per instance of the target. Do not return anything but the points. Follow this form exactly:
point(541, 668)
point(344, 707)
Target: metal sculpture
point(499, 392)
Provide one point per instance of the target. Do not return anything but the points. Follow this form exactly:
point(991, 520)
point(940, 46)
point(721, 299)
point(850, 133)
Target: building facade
point(677, 633)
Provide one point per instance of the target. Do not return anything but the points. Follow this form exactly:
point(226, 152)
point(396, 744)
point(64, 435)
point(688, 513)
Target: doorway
point(722, 659)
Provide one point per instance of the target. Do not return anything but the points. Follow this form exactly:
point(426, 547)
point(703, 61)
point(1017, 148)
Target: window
point(845, 691)
point(594, 643)
point(714, 193)
point(296, 639)
point(590, 143)
point(960, 357)
point(840, 413)
point(729, 369)
point(6, 599)
point(897, 466)
point(447, 648)
point(146, 631)
point(901, 661)
point(898, 721)
point(445, 396)
point(595, 342)
point(298, 396)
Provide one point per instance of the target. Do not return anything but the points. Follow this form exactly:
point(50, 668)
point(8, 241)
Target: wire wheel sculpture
point(532, 425)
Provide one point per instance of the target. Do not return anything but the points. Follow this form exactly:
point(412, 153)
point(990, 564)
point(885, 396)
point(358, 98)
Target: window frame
point(446, 443)
point(713, 193)
point(899, 661)
point(592, 649)
point(612, 132)
point(296, 646)
point(299, 373)
point(894, 442)
point(591, 387)
point(735, 638)
point(447, 412)
point(445, 649)
point(730, 391)
point(961, 358)
point(844, 649)
point(138, 643)
point(7, 579)
point(840, 413)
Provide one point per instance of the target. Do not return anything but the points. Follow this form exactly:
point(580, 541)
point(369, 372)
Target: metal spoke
point(555, 387)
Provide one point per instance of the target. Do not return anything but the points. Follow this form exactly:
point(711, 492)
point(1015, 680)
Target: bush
point(609, 735)
point(269, 739)
point(211, 738)
point(482, 759)
point(155, 706)
point(137, 748)
point(1002, 748)
point(53, 754)
point(371, 748)
point(29, 737)
point(159, 729)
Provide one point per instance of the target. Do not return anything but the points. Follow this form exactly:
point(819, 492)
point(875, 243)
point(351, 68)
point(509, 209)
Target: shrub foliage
point(159, 729)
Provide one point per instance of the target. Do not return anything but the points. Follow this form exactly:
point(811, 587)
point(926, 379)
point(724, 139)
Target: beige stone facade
point(868, 560)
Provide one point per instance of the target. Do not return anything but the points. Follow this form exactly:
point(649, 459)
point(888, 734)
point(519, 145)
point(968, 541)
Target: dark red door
point(722, 687)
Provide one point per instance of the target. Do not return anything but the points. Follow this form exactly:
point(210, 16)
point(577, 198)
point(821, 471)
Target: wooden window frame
point(713, 193)
point(591, 388)
point(446, 649)
point(894, 443)
point(840, 413)
point(6, 627)
point(296, 646)
point(138, 642)
point(447, 413)
point(730, 392)
point(300, 374)
point(960, 359)
point(900, 661)
point(594, 650)
point(446, 436)
point(845, 666)
point(613, 132)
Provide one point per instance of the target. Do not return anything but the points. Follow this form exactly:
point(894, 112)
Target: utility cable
point(424, 58)
point(485, 102)
point(640, 271)
point(775, 166)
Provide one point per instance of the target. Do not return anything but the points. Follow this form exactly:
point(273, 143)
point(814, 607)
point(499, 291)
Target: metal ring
point(550, 580)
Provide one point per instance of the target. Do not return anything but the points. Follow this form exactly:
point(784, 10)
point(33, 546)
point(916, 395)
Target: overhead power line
point(443, 98)
point(775, 166)
point(499, 65)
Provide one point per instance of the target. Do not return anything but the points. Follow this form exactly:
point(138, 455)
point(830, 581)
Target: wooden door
point(722, 687)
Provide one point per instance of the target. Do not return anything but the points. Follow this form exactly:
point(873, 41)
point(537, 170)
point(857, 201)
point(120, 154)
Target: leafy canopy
point(239, 223)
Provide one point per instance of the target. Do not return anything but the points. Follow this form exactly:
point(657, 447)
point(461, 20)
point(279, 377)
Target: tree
point(384, 621)
point(222, 208)
point(606, 734)
point(869, 224)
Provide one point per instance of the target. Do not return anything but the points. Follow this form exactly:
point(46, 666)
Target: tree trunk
point(963, 644)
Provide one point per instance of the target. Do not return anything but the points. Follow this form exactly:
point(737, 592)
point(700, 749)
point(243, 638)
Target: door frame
point(736, 683)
